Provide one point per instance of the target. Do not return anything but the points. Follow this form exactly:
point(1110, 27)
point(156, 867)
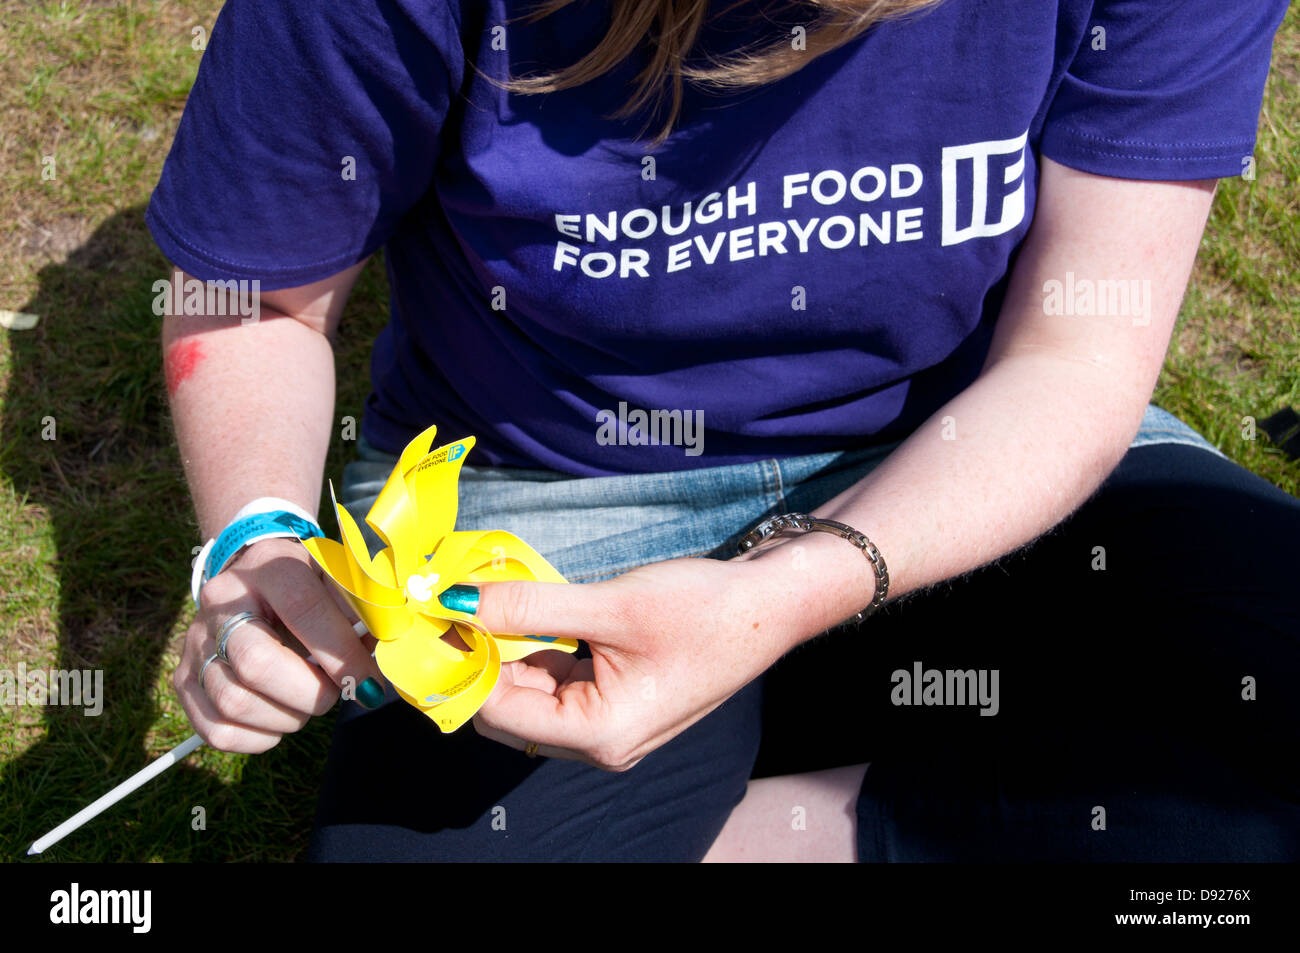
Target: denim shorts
point(592, 528)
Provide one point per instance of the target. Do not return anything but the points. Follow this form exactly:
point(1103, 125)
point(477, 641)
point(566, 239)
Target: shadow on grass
point(112, 485)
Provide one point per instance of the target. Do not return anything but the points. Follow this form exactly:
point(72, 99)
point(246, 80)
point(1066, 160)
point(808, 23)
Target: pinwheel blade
point(396, 592)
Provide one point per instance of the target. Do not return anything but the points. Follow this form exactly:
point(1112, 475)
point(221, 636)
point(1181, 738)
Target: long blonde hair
point(673, 27)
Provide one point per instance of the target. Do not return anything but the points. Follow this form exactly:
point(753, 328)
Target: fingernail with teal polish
point(370, 693)
point(460, 598)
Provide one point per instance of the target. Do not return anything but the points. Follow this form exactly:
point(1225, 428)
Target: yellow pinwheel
point(396, 592)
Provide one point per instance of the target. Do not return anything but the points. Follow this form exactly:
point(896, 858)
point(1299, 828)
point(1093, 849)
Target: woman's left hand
point(670, 642)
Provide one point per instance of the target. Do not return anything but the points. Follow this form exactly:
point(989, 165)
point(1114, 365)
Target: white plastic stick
point(137, 780)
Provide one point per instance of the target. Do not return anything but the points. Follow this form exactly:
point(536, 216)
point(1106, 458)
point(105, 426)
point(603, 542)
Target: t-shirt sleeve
point(312, 128)
point(1170, 90)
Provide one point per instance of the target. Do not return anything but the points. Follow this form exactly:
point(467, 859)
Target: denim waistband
point(594, 527)
point(1160, 426)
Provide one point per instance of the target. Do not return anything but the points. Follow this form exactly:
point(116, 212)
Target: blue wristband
point(252, 529)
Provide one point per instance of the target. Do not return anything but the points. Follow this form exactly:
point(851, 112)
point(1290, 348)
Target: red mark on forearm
point(180, 361)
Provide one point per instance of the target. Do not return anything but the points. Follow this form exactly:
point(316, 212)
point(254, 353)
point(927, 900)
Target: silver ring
point(204, 670)
point(229, 626)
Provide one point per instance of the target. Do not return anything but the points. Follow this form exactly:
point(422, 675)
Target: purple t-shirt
point(812, 265)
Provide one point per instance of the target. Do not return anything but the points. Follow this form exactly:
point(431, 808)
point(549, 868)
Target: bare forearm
point(1002, 463)
point(252, 406)
point(996, 467)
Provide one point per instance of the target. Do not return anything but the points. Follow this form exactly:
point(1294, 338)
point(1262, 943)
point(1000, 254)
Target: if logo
point(978, 177)
point(455, 452)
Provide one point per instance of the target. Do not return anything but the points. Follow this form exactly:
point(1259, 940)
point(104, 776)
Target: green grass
point(95, 526)
point(1236, 351)
point(96, 529)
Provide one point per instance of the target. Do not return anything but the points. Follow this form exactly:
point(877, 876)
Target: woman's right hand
point(269, 688)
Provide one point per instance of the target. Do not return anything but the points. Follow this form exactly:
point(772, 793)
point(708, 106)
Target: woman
point(911, 267)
